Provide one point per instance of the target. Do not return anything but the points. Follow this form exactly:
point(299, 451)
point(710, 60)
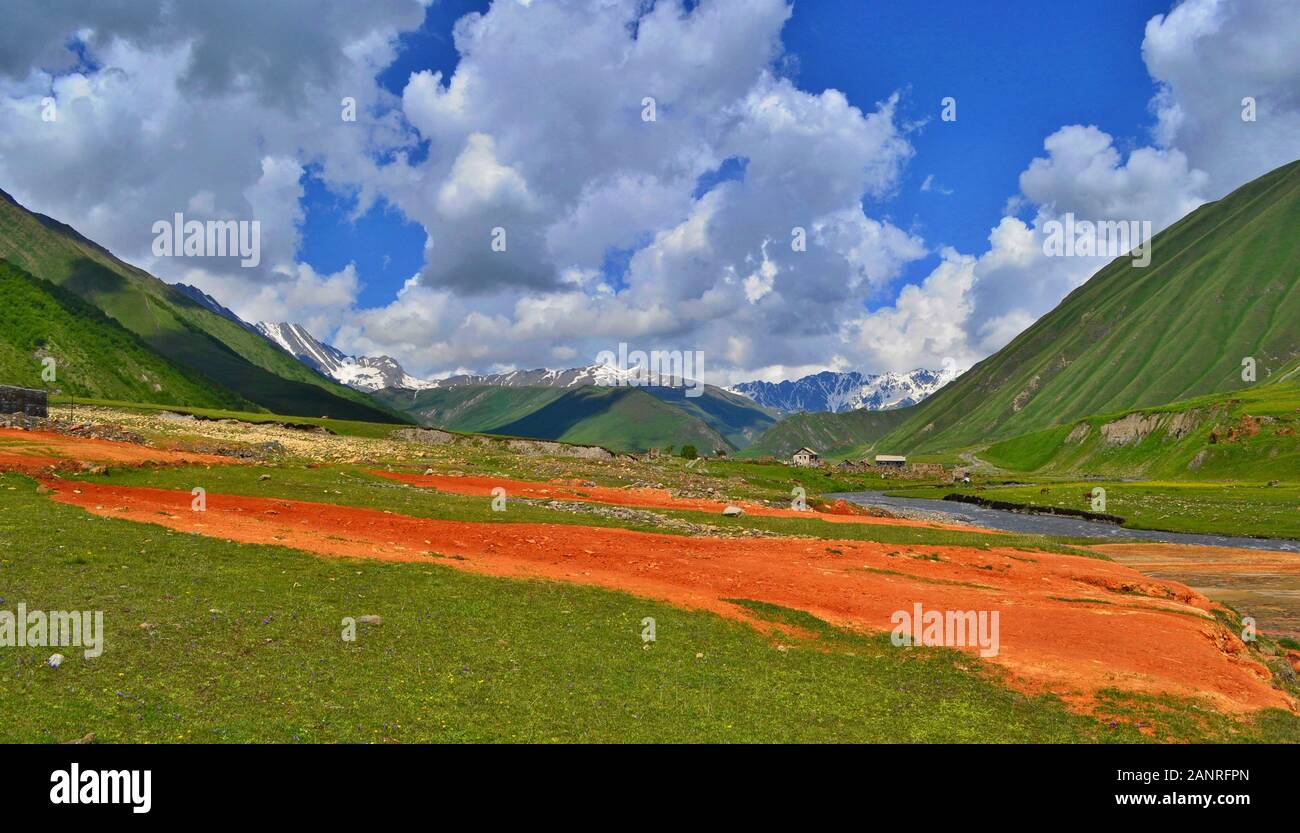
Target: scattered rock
point(265, 477)
point(147, 626)
point(55, 660)
point(1274, 483)
point(89, 737)
point(98, 432)
point(370, 619)
point(649, 518)
point(429, 436)
point(538, 448)
point(733, 512)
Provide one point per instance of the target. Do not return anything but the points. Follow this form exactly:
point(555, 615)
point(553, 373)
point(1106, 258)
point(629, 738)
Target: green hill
point(1252, 434)
point(621, 419)
point(737, 418)
point(1223, 285)
point(470, 408)
point(715, 419)
point(172, 324)
point(94, 355)
point(843, 435)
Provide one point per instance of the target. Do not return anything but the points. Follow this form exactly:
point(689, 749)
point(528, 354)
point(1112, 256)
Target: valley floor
point(518, 624)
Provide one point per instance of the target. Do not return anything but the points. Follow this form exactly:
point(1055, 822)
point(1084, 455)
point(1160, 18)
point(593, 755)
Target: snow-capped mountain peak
point(366, 373)
point(596, 374)
point(839, 392)
point(827, 391)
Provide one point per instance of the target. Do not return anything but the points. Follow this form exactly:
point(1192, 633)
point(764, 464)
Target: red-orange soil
point(1149, 636)
point(643, 498)
point(41, 451)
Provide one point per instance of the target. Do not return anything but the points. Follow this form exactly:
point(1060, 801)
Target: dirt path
point(982, 466)
point(40, 451)
point(842, 511)
point(1141, 634)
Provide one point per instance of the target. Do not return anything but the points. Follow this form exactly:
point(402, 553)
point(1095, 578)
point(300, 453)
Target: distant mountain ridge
point(599, 404)
point(373, 373)
point(596, 374)
point(834, 392)
point(365, 373)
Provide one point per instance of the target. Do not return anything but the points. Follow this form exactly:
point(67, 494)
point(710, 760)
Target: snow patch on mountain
point(596, 374)
point(372, 373)
point(852, 391)
point(365, 373)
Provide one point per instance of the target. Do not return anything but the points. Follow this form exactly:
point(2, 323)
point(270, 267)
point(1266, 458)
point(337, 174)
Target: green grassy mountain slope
point(94, 355)
point(843, 435)
point(471, 408)
point(1250, 435)
point(172, 324)
point(1223, 284)
point(737, 418)
point(621, 419)
point(496, 408)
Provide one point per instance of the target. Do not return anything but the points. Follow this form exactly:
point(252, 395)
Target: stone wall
point(23, 401)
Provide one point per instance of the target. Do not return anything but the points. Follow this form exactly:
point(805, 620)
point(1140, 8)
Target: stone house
point(805, 457)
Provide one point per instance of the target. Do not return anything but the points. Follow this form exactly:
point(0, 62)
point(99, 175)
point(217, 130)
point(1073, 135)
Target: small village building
point(896, 461)
point(805, 457)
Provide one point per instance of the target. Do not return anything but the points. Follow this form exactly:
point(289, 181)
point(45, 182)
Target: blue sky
point(673, 233)
point(386, 247)
point(1017, 72)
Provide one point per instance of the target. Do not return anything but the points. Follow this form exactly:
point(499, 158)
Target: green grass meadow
point(244, 643)
point(457, 658)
